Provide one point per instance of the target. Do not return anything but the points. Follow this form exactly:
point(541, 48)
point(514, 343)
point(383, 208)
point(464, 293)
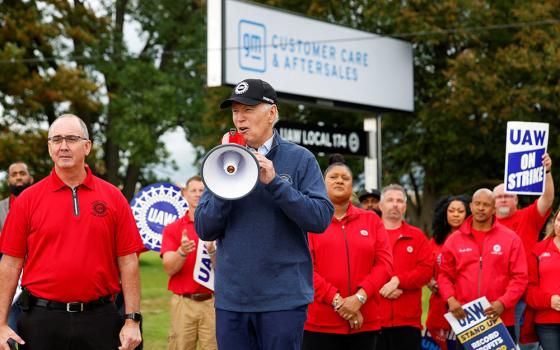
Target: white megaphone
point(230, 171)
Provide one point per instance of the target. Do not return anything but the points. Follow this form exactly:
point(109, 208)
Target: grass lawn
point(155, 301)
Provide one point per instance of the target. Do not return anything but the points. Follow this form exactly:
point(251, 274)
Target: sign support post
point(372, 163)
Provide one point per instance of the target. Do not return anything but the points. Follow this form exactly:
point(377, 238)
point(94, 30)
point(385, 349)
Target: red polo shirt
point(182, 282)
point(71, 242)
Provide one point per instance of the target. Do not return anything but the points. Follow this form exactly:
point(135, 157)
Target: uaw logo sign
point(252, 41)
point(154, 207)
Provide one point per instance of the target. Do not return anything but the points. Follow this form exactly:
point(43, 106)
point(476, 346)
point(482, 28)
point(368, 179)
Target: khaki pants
point(192, 321)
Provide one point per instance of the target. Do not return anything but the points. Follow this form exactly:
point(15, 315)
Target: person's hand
point(6, 333)
point(348, 307)
point(187, 245)
point(395, 294)
point(389, 287)
point(210, 247)
point(495, 309)
point(456, 309)
point(555, 302)
point(546, 162)
point(266, 168)
point(357, 321)
point(130, 336)
point(433, 286)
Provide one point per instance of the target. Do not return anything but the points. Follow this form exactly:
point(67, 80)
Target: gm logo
point(252, 44)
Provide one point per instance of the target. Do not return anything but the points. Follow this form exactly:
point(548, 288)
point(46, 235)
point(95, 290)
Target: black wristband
point(181, 253)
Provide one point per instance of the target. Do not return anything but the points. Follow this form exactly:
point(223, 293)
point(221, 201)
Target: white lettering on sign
point(292, 135)
point(526, 178)
point(161, 217)
point(317, 138)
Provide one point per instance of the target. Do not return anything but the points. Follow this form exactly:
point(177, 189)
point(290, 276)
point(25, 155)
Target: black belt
point(197, 297)
point(72, 307)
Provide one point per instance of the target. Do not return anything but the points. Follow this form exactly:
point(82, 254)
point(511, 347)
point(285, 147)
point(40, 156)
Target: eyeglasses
point(70, 139)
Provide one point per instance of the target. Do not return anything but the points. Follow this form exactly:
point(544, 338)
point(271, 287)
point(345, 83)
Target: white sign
point(203, 272)
point(477, 331)
point(305, 57)
point(525, 145)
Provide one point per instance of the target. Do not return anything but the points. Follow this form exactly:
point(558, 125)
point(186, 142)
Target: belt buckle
point(69, 307)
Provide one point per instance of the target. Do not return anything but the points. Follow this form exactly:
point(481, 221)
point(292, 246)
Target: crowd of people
point(298, 263)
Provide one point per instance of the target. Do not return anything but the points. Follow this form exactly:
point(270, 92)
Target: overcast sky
point(181, 150)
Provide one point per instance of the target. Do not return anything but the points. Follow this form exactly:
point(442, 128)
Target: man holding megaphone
point(264, 276)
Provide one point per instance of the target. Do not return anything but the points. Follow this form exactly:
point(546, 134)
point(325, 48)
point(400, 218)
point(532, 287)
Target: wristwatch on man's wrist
point(135, 316)
point(361, 298)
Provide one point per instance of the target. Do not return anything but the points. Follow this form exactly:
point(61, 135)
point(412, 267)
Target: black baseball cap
point(251, 92)
point(369, 193)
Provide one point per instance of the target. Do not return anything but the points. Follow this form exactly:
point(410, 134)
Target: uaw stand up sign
point(477, 331)
point(155, 207)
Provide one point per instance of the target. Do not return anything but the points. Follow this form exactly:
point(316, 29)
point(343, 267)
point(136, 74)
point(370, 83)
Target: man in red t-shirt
point(527, 222)
point(413, 264)
point(76, 239)
point(192, 306)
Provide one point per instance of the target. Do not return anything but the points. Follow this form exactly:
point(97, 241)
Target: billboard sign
point(307, 58)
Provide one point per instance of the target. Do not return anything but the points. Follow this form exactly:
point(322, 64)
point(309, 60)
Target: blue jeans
point(519, 320)
point(274, 330)
point(549, 335)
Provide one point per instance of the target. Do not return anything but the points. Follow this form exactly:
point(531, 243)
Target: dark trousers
point(45, 329)
point(511, 331)
point(549, 335)
point(399, 338)
point(328, 341)
point(274, 330)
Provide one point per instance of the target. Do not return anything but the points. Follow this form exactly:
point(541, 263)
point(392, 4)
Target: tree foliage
point(62, 56)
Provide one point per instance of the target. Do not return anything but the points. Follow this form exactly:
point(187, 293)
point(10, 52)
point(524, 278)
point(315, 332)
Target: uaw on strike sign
point(477, 331)
point(525, 145)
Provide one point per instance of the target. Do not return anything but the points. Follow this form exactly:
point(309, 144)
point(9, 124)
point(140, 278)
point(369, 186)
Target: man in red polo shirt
point(413, 263)
point(192, 306)
point(76, 239)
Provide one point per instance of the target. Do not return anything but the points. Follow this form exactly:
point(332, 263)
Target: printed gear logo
point(153, 207)
point(99, 208)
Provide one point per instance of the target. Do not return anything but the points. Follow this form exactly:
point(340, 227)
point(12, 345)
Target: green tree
point(68, 57)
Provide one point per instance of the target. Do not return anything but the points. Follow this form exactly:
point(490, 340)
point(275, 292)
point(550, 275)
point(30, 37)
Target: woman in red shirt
point(351, 262)
point(543, 292)
point(449, 215)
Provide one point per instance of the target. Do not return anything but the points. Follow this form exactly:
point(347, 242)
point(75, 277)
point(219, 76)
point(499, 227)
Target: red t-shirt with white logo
point(182, 282)
point(71, 242)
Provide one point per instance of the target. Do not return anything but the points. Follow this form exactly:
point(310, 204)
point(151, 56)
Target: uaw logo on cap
point(252, 43)
point(154, 207)
point(241, 88)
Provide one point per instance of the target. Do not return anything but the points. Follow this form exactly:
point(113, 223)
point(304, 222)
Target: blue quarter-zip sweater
point(263, 261)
